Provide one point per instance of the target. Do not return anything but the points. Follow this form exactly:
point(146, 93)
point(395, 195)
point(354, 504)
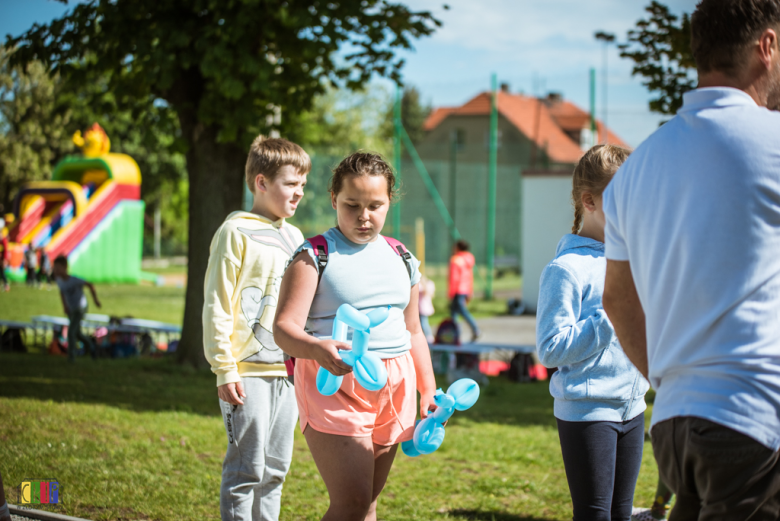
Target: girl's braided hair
point(592, 174)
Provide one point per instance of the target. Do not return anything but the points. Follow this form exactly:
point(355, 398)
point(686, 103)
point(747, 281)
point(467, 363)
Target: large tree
point(224, 67)
point(660, 47)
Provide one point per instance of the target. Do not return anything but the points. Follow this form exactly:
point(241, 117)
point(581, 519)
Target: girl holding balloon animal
point(354, 434)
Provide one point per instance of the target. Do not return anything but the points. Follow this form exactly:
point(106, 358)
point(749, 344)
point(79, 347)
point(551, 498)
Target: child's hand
point(97, 303)
point(231, 392)
point(328, 357)
point(427, 404)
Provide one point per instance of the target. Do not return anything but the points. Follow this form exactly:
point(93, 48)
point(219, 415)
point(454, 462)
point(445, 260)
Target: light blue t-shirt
point(696, 211)
point(366, 276)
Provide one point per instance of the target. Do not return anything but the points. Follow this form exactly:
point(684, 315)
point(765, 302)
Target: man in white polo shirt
point(693, 270)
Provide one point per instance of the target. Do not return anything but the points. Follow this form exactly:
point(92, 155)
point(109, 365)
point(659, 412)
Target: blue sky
point(527, 43)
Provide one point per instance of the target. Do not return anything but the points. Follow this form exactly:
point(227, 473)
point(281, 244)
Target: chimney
point(505, 88)
point(553, 98)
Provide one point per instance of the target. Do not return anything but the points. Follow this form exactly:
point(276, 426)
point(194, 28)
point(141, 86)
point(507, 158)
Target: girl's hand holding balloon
point(329, 358)
point(427, 403)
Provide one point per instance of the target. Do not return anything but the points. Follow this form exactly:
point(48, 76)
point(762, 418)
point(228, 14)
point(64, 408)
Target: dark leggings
point(602, 461)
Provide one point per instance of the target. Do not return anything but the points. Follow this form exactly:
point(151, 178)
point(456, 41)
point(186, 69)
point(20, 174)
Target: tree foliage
point(342, 121)
point(224, 66)
point(229, 61)
point(40, 112)
point(660, 47)
point(33, 124)
point(413, 114)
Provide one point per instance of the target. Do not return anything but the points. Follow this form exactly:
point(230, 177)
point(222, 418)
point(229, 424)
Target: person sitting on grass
point(74, 302)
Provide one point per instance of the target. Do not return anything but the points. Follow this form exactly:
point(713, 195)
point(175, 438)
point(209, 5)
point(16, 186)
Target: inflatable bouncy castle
point(90, 212)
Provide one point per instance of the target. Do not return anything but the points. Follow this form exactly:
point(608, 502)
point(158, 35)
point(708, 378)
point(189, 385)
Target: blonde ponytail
point(592, 174)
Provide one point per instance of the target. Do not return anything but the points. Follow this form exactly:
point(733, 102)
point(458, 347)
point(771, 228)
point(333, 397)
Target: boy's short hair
point(268, 155)
point(723, 30)
point(61, 260)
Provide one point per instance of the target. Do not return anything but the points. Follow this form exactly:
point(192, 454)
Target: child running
point(75, 305)
point(599, 394)
point(353, 434)
point(247, 259)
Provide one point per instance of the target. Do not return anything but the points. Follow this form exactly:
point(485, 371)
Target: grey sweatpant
point(260, 447)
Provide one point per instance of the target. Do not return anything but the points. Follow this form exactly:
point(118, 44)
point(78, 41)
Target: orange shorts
point(387, 415)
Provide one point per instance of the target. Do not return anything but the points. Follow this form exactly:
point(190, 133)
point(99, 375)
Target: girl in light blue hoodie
point(599, 394)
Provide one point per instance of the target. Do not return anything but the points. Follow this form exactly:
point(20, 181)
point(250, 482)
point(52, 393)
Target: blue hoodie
point(595, 380)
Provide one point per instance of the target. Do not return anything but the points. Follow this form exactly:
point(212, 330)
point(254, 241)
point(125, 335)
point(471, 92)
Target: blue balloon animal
point(368, 368)
point(429, 433)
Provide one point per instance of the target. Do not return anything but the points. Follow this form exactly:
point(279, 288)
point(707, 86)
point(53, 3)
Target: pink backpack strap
point(320, 246)
point(400, 250)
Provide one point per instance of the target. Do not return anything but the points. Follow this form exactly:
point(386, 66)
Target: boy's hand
point(97, 303)
point(328, 357)
point(231, 393)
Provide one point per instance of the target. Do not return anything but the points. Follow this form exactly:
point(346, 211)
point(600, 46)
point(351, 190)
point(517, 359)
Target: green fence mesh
point(461, 178)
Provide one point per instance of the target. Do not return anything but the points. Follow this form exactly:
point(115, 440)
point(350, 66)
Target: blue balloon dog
point(368, 368)
point(429, 433)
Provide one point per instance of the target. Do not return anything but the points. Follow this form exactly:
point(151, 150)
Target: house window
point(487, 139)
point(458, 139)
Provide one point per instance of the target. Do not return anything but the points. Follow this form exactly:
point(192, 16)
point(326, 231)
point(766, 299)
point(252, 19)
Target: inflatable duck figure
point(94, 143)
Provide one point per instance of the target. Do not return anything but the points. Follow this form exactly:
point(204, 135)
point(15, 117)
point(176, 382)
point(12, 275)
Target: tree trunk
point(216, 173)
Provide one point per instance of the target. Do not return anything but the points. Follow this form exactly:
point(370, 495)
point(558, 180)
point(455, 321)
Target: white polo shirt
point(696, 211)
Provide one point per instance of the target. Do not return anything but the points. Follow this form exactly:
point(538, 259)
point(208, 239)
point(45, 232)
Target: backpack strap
point(402, 252)
point(320, 245)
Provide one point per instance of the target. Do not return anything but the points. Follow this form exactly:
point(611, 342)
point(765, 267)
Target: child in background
point(427, 291)
point(31, 265)
point(461, 287)
point(4, 259)
point(74, 302)
point(44, 272)
point(247, 259)
point(599, 394)
point(354, 434)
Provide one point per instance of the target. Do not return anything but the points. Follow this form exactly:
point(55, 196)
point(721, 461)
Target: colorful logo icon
point(40, 492)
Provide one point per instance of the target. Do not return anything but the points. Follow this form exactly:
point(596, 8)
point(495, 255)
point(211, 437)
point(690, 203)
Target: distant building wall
point(547, 216)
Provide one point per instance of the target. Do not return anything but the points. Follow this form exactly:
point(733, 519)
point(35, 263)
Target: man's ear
point(588, 202)
point(768, 47)
point(260, 183)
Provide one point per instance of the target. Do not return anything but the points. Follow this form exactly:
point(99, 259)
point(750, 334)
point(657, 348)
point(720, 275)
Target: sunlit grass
point(143, 439)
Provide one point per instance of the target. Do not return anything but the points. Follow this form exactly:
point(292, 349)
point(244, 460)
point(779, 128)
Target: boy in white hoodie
point(247, 259)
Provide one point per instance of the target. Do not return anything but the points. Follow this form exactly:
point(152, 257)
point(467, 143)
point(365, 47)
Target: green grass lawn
point(165, 304)
point(143, 439)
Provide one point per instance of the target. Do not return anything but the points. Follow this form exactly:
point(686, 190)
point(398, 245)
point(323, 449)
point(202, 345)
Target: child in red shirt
point(461, 286)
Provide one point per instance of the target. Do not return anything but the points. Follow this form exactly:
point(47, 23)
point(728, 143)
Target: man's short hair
point(462, 245)
point(268, 155)
point(722, 31)
point(61, 260)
